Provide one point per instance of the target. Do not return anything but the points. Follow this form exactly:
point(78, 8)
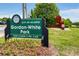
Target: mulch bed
point(26, 49)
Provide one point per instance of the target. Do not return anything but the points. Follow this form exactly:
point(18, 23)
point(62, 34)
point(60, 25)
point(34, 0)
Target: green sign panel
point(26, 28)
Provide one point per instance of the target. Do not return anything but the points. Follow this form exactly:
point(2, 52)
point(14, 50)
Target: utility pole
point(24, 10)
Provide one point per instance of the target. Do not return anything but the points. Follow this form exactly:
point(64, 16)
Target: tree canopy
point(67, 22)
point(47, 10)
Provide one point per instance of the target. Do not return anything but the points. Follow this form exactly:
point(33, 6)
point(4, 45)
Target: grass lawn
point(67, 42)
point(2, 40)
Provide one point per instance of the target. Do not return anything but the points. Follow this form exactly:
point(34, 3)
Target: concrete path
point(66, 29)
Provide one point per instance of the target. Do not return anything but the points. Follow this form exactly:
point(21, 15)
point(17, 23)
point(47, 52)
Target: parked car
point(2, 23)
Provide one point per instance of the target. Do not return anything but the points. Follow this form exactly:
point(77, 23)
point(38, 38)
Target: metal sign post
point(44, 40)
point(7, 30)
point(24, 10)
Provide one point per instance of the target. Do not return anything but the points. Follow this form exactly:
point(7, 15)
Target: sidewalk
point(66, 29)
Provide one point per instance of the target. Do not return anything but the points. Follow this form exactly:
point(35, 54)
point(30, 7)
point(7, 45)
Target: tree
point(76, 24)
point(32, 14)
point(67, 22)
point(4, 19)
point(0, 19)
point(47, 10)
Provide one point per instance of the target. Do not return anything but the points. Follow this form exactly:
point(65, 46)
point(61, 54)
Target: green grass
point(2, 40)
point(67, 42)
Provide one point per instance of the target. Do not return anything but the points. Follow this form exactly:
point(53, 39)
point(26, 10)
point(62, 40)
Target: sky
point(67, 10)
point(9, 9)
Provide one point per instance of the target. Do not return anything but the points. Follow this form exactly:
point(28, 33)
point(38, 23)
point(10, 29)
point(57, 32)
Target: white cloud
point(75, 11)
point(73, 14)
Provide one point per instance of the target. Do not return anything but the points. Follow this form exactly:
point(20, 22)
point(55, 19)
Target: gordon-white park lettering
point(26, 27)
point(24, 32)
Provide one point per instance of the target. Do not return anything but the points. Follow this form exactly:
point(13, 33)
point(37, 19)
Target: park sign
point(27, 28)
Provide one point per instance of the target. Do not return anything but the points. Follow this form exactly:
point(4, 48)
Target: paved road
point(2, 27)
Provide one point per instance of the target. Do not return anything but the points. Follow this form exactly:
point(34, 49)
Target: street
point(2, 27)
